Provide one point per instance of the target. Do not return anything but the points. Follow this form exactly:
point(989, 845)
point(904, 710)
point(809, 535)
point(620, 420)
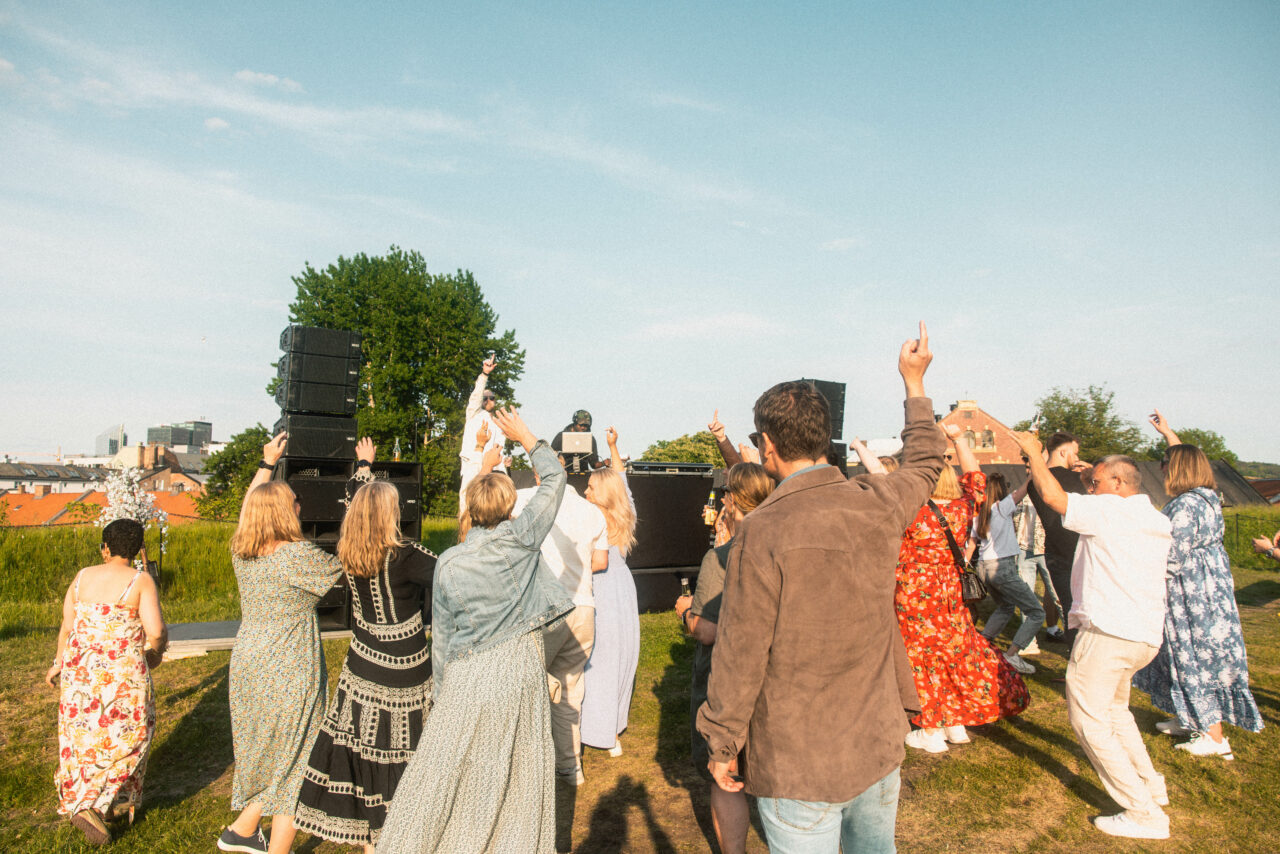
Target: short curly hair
point(123, 538)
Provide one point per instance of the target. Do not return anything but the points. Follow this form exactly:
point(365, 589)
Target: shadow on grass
point(609, 832)
point(1268, 704)
point(1259, 593)
point(1008, 737)
point(198, 750)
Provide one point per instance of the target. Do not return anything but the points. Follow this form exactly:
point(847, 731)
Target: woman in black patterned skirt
point(384, 691)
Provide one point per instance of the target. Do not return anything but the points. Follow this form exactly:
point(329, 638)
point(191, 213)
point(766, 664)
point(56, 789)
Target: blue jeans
point(864, 825)
point(1006, 586)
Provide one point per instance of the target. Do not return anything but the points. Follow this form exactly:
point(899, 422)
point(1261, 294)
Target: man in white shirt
point(1118, 601)
point(480, 432)
point(577, 546)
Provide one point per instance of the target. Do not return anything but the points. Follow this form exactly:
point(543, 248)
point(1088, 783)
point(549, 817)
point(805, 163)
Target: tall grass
point(1245, 523)
point(196, 580)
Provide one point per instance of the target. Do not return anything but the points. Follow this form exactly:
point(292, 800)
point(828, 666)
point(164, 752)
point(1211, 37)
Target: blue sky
point(724, 197)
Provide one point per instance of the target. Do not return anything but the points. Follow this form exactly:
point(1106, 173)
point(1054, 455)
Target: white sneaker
point(571, 778)
point(956, 734)
point(1201, 745)
point(1032, 648)
point(1016, 662)
point(931, 740)
point(616, 750)
point(1172, 727)
point(1124, 824)
point(1159, 791)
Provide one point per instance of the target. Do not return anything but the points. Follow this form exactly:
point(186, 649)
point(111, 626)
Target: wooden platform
point(192, 639)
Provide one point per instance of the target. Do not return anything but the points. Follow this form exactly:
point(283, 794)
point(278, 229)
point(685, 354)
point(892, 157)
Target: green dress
point(277, 681)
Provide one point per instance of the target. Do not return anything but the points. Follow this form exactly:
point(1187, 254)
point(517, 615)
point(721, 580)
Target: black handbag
point(972, 590)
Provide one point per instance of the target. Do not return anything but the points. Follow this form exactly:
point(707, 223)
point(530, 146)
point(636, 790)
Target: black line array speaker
point(334, 343)
point(316, 398)
point(308, 367)
point(318, 436)
point(834, 393)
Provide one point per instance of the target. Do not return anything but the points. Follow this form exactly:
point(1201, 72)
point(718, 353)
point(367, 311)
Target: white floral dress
point(106, 713)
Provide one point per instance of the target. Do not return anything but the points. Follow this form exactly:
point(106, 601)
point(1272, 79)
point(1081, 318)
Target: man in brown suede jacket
point(809, 675)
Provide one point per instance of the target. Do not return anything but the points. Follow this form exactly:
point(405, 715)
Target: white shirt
point(578, 531)
point(1117, 579)
point(477, 415)
point(1002, 537)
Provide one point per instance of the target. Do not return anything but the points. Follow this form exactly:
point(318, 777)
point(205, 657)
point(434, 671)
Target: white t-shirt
point(1002, 537)
point(1118, 577)
point(579, 530)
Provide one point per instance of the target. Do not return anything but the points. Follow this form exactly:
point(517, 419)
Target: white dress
point(611, 670)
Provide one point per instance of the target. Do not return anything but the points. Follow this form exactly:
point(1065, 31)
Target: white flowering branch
point(126, 499)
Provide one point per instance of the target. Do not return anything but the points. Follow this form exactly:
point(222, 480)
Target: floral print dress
point(962, 679)
point(106, 713)
point(1201, 673)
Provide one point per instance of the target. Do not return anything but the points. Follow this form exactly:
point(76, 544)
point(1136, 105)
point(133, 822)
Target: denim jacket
point(493, 587)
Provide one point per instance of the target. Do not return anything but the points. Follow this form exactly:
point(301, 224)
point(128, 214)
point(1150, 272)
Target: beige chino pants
point(1098, 708)
point(568, 646)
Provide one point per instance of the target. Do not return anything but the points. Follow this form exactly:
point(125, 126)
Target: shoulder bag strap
point(951, 538)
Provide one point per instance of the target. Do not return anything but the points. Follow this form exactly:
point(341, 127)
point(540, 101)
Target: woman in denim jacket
point(483, 776)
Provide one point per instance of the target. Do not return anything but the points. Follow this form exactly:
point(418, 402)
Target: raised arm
point(869, 461)
point(534, 522)
point(922, 443)
point(476, 399)
point(731, 456)
point(271, 454)
point(365, 452)
point(1162, 427)
point(615, 458)
point(964, 454)
point(1050, 490)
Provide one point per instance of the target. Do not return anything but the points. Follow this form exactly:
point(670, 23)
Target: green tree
point(424, 339)
point(1212, 443)
point(696, 448)
point(1090, 415)
point(230, 471)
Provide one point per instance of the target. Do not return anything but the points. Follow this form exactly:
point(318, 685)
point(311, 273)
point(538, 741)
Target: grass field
point(1023, 785)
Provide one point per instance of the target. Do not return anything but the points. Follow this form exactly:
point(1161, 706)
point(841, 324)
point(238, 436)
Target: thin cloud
point(6, 67)
point(215, 124)
point(842, 244)
point(258, 78)
point(729, 324)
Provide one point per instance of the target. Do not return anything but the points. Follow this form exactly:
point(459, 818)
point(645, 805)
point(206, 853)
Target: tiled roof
point(47, 471)
point(24, 509)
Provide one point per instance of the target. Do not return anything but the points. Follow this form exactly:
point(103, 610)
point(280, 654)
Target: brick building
point(991, 440)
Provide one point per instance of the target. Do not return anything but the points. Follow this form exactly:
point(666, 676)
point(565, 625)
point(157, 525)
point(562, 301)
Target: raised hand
point(482, 435)
point(716, 428)
point(951, 431)
point(489, 364)
point(1028, 442)
point(490, 460)
point(611, 436)
point(514, 428)
point(913, 361)
point(274, 450)
point(365, 449)
point(748, 453)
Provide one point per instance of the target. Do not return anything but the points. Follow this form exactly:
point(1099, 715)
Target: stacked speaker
point(318, 390)
point(834, 393)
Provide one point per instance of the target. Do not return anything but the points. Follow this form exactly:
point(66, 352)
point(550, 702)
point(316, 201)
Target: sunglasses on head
point(755, 440)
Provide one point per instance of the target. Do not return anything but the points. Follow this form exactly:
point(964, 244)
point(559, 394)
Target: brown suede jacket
point(809, 673)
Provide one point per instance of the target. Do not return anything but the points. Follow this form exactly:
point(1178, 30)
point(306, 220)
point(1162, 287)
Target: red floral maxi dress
point(106, 714)
point(961, 677)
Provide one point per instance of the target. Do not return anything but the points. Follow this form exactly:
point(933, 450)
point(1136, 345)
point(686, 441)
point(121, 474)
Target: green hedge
point(196, 580)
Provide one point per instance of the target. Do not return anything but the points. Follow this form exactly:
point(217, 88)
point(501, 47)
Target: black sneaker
point(232, 841)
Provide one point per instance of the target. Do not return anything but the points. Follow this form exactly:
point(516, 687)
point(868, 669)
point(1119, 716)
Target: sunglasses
point(755, 440)
point(490, 397)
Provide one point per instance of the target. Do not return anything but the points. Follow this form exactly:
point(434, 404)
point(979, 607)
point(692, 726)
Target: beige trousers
point(1098, 709)
point(568, 646)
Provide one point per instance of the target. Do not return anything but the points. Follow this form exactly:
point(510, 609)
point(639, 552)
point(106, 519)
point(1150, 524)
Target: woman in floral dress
point(277, 676)
point(112, 634)
point(962, 679)
point(384, 691)
point(1201, 673)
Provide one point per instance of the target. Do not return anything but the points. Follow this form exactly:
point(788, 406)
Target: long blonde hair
point(370, 529)
point(609, 493)
point(267, 518)
point(749, 484)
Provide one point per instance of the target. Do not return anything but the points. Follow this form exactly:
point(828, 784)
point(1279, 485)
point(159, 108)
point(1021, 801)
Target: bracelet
point(363, 464)
point(263, 464)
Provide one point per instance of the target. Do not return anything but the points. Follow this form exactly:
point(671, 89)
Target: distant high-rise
point(110, 441)
point(194, 433)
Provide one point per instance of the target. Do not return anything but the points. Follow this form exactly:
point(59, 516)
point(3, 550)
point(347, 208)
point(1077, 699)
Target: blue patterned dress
point(1201, 673)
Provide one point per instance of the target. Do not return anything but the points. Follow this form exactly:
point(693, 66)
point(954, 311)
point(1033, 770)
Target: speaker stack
point(834, 393)
point(319, 375)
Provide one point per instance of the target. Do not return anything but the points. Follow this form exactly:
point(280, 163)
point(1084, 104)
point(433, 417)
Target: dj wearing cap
point(577, 459)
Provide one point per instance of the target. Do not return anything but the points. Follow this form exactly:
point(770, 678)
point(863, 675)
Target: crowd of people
point(475, 678)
